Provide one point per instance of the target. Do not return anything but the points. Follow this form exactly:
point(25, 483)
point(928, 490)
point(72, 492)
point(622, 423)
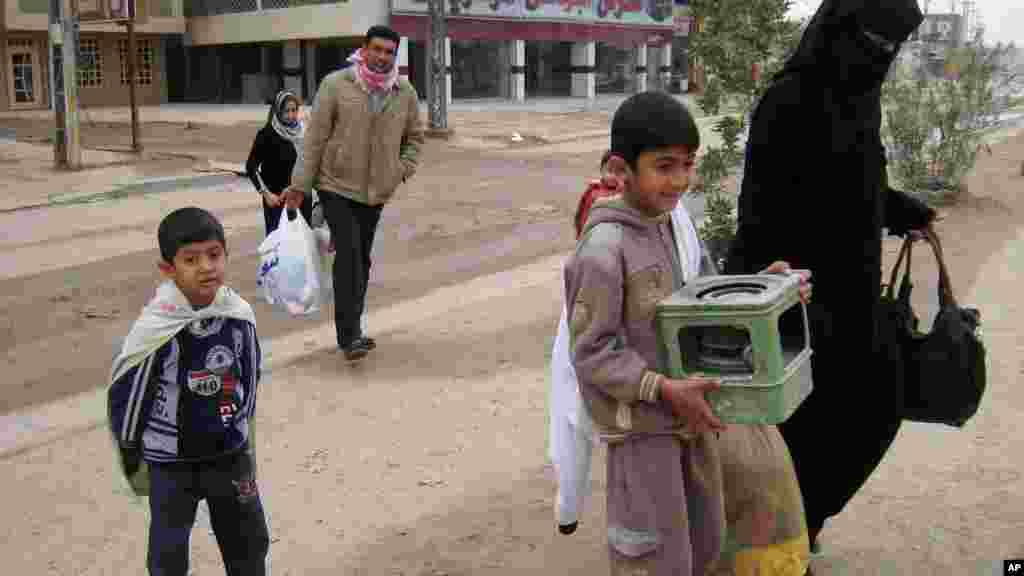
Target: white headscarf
point(294, 133)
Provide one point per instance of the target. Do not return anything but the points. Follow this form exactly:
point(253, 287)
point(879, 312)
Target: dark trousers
point(236, 512)
point(353, 226)
point(272, 216)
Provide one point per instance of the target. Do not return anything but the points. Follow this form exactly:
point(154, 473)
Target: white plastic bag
point(323, 242)
point(323, 238)
point(317, 213)
point(290, 267)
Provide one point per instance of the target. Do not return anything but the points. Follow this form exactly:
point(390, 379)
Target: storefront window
point(548, 68)
point(615, 69)
point(477, 69)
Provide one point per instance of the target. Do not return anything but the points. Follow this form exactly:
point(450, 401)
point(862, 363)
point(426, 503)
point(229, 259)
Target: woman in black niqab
point(815, 194)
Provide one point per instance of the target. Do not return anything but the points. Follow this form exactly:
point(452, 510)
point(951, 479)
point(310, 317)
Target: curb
point(201, 181)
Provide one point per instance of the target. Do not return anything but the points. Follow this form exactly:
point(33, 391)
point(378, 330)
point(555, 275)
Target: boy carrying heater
point(666, 506)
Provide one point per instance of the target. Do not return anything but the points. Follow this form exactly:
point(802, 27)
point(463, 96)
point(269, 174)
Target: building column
point(448, 70)
point(641, 68)
point(310, 73)
point(584, 80)
point(518, 70)
point(402, 60)
point(292, 64)
point(665, 66)
point(188, 71)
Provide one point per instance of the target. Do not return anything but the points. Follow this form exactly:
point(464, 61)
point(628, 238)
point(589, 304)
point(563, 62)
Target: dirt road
point(429, 458)
point(445, 230)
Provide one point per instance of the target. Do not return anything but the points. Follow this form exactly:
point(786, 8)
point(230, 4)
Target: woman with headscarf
point(277, 148)
point(815, 193)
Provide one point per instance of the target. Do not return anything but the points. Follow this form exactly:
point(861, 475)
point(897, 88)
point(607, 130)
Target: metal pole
point(70, 55)
point(132, 55)
point(60, 158)
point(436, 86)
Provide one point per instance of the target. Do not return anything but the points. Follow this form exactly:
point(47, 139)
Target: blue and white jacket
point(192, 400)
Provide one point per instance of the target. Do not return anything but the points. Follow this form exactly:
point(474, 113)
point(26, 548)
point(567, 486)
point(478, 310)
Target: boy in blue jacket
point(181, 401)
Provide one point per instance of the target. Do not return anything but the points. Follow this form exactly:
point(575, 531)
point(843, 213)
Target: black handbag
point(944, 370)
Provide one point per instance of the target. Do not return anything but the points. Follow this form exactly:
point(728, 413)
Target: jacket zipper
point(369, 158)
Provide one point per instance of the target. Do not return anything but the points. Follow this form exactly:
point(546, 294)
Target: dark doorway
point(174, 68)
point(548, 68)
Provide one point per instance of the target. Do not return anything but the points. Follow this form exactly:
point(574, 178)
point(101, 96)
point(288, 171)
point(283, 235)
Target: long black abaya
point(814, 193)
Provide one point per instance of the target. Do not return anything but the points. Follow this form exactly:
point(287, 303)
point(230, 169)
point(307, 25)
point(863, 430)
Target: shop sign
point(646, 12)
point(681, 19)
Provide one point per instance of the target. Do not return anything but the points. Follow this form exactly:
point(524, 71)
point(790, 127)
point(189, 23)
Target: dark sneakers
point(359, 348)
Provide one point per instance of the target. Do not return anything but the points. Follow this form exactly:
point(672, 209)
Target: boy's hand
point(781, 267)
point(686, 397)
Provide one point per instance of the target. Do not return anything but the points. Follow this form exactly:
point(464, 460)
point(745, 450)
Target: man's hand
point(686, 397)
point(293, 197)
point(272, 200)
point(806, 288)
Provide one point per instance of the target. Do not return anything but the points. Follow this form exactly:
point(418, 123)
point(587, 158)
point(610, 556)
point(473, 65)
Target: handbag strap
point(946, 297)
point(905, 252)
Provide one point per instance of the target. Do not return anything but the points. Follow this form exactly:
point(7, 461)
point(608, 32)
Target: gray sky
point(1003, 19)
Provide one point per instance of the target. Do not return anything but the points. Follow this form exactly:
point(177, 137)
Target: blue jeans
point(236, 512)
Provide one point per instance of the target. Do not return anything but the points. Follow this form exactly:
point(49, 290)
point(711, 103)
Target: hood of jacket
point(614, 209)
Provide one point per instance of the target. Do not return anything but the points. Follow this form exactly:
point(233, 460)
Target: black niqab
point(815, 194)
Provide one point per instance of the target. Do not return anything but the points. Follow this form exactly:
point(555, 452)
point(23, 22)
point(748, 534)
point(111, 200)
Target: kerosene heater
point(750, 332)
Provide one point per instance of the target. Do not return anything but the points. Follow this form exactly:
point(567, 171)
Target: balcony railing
point(195, 8)
point(160, 8)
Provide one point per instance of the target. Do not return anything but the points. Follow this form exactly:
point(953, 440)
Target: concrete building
point(25, 81)
point(242, 51)
point(518, 49)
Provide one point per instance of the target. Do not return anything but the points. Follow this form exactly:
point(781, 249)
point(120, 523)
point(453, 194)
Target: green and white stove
point(728, 327)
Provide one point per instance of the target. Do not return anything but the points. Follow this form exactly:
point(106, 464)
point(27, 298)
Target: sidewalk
point(28, 177)
point(234, 114)
point(548, 126)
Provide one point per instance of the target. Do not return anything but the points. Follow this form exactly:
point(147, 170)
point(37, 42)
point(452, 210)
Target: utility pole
point(437, 93)
point(60, 158)
point(132, 56)
point(67, 151)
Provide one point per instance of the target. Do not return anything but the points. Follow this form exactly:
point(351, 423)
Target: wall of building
point(166, 17)
point(106, 82)
point(102, 84)
point(276, 20)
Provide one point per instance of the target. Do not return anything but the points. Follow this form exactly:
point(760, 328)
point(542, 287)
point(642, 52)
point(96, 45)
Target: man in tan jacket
point(363, 140)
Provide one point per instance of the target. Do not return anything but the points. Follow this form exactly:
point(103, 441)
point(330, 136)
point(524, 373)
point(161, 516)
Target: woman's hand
point(272, 200)
point(781, 267)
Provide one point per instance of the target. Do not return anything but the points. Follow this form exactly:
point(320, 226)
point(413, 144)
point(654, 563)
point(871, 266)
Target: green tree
point(731, 38)
point(935, 125)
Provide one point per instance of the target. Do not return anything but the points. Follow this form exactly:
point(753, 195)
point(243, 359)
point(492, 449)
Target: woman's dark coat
point(815, 194)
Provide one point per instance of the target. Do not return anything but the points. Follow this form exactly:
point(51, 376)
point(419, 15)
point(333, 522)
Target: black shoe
point(357, 350)
point(568, 528)
point(370, 343)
